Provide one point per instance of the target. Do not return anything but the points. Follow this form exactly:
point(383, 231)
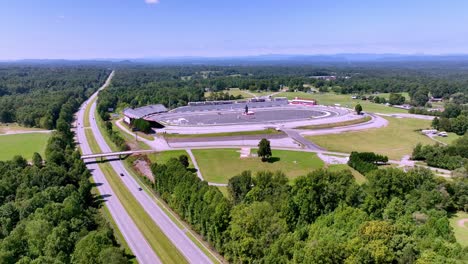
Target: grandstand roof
point(231, 106)
point(144, 111)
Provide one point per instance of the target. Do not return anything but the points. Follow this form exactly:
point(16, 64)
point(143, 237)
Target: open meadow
point(22, 144)
point(345, 100)
point(218, 165)
point(396, 140)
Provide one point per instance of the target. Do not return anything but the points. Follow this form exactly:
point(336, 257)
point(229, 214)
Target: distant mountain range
point(268, 59)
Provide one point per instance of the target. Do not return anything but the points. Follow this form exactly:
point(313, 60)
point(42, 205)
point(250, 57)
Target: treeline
point(365, 162)
point(103, 112)
point(454, 118)
point(448, 157)
point(324, 217)
point(33, 96)
point(222, 96)
point(47, 211)
point(115, 136)
point(139, 86)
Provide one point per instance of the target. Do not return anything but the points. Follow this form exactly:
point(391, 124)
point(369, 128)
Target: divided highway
point(132, 235)
point(176, 235)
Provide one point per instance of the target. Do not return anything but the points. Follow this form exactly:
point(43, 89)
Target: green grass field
point(218, 165)
point(226, 134)
point(461, 233)
point(237, 91)
point(337, 124)
point(164, 156)
point(395, 140)
point(448, 140)
point(344, 100)
point(360, 179)
point(23, 144)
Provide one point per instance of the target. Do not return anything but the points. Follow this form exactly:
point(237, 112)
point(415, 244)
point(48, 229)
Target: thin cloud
point(152, 2)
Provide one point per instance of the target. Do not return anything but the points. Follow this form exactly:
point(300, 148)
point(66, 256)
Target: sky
point(91, 29)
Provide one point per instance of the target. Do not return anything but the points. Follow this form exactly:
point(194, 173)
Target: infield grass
point(23, 144)
point(338, 124)
point(219, 165)
point(396, 140)
point(226, 134)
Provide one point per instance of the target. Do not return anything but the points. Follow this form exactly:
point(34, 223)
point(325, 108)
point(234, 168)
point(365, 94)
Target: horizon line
point(238, 56)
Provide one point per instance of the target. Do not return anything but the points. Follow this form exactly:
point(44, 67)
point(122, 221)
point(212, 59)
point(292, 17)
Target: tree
point(184, 160)
point(420, 98)
point(459, 98)
point(254, 227)
point(239, 186)
point(396, 99)
point(37, 160)
point(264, 149)
point(435, 123)
point(90, 248)
point(358, 109)
point(142, 125)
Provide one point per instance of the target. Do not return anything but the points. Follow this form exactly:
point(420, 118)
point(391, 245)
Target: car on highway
point(140, 189)
point(121, 174)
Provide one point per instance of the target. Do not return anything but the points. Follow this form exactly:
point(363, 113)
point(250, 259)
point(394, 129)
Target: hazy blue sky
point(77, 29)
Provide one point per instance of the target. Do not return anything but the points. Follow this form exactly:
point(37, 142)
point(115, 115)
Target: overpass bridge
point(115, 154)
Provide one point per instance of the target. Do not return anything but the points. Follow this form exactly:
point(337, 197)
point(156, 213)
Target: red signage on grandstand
point(300, 101)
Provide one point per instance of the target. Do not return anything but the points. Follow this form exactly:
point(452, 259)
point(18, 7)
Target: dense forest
point(33, 95)
point(47, 211)
point(323, 217)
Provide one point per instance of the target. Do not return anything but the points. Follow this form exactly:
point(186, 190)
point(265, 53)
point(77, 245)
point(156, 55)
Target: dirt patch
point(142, 166)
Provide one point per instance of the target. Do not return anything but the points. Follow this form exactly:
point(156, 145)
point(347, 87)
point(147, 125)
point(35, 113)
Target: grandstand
point(143, 112)
point(228, 105)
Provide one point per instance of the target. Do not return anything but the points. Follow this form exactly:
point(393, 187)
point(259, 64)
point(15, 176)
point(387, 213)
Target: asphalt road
point(306, 143)
point(176, 235)
point(132, 235)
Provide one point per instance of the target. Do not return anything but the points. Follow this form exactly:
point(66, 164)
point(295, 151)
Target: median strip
point(158, 241)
